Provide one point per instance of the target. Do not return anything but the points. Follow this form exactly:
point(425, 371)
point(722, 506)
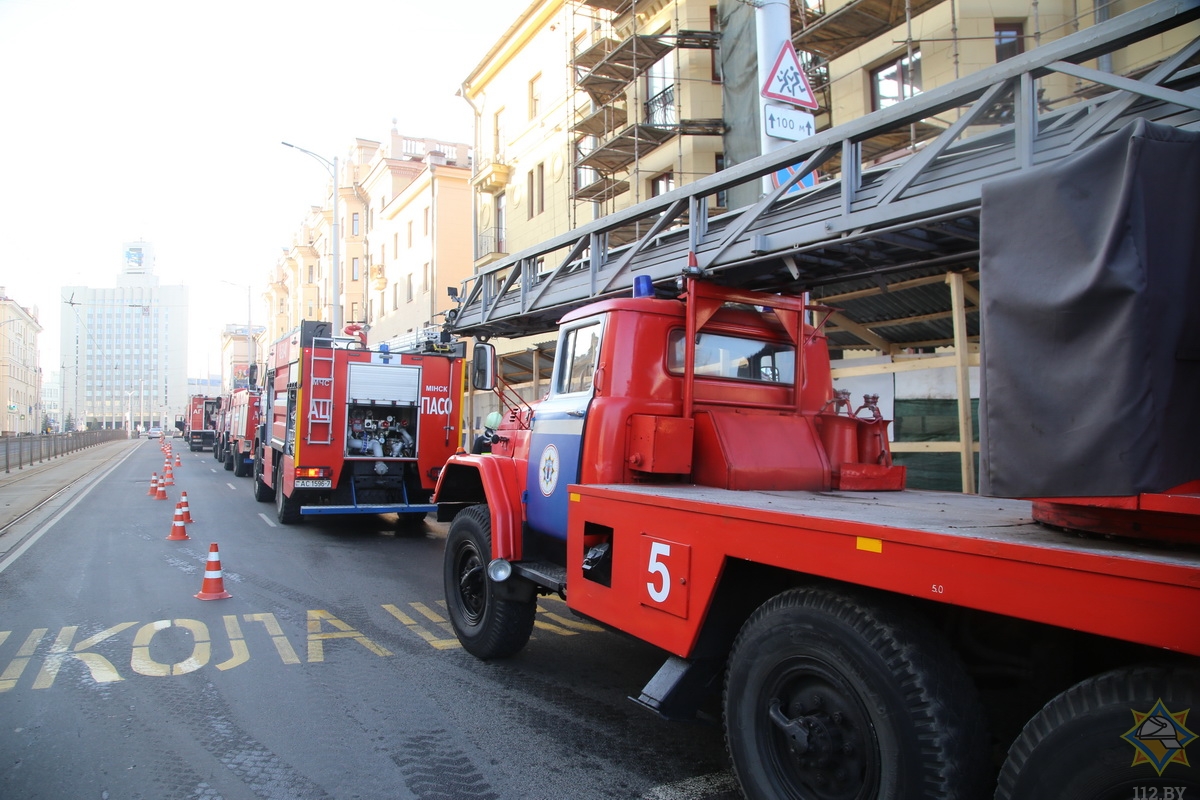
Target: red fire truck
point(199, 424)
point(242, 417)
point(693, 480)
point(351, 429)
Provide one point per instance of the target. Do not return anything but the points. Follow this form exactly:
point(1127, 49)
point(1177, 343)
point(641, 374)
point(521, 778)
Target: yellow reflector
point(870, 545)
point(574, 497)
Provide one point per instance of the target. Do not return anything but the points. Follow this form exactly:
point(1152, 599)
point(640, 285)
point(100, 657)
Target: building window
point(395, 245)
point(535, 95)
point(395, 296)
point(723, 195)
point(408, 287)
point(354, 312)
point(498, 135)
point(410, 233)
point(1010, 40)
point(535, 190)
point(714, 24)
point(660, 88)
point(425, 222)
point(896, 81)
point(354, 224)
point(354, 269)
point(425, 277)
point(310, 273)
point(662, 184)
point(541, 186)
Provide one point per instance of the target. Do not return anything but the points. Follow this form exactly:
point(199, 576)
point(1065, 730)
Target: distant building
point(404, 231)
point(20, 374)
point(124, 348)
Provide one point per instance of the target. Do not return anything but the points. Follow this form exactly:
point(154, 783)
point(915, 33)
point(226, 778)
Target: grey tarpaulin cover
point(1090, 284)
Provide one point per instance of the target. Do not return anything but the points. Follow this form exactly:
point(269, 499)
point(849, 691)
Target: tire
point(1078, 746)
point(262, 492)
point(878, 706)
point(487, 626)
point(227, 461)
point(287, 509)
point(240, 468)
point(216, 451)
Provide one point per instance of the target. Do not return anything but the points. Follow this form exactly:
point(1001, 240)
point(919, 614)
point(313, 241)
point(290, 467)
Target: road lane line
point(267, 519)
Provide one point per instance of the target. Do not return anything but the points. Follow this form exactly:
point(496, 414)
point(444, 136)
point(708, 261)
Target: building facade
point(20, 370)
point(124, 348)
point(403, 238)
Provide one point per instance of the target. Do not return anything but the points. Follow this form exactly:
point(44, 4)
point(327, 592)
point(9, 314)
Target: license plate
point(314, 483)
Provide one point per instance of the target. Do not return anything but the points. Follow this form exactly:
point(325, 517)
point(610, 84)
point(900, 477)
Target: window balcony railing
point(660, 109)
point(489, 241)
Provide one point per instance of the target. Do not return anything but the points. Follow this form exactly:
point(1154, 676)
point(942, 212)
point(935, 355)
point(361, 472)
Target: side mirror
point(483, 367)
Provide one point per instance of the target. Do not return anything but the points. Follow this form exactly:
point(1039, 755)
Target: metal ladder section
point(320, 401)
point(920, 212)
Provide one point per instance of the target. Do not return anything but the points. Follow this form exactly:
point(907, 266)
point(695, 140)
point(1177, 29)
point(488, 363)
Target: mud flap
point(679, 688)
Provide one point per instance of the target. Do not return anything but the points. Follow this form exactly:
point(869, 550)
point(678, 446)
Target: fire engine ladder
point(912, 218)
point(320, 400)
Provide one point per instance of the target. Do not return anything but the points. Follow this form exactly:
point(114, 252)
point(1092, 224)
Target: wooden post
point(966, 433)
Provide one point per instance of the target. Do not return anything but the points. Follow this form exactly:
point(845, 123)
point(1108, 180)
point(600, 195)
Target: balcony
point(492, 175)
point(489, 246)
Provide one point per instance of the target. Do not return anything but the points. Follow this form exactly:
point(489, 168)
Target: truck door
point(557, 431)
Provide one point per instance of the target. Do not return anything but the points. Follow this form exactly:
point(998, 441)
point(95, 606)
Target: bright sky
point(155, 120)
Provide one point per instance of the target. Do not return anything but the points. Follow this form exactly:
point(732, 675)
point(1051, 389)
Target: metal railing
point(868, 215)
point(24, 451)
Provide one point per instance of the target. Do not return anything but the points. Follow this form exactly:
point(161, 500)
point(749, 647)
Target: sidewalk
point(24, 489)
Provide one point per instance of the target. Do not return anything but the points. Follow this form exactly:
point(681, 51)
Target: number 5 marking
point(658, 549)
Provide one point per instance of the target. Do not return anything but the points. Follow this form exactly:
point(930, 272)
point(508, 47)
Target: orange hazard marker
point(178, 531)
point(187, 513)
point(161, 493)
point(178, 463)
point(153, 485)
point(213, 587)
point(168, 477)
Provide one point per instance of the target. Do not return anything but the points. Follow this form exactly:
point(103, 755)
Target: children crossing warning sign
point(787, 81)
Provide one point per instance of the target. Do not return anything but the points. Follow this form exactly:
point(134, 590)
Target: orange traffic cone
point(187, 513)
point(178, 531)
point(153, 485)
point(213, 587)
point(161, 493)
point(178, 463)
point(168, 477)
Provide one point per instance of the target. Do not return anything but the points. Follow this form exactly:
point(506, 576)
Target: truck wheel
point(1081, 746)
point(227, 461)
point(487, 625)
point(287, 509)
point(830, 696)
point(262, 492)
point(216, 451)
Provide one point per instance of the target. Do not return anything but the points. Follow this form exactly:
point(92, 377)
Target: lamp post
point(129, 417)
point(251, 346)
point(335, 272)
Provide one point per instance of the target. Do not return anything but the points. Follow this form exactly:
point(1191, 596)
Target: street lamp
point(335, 273)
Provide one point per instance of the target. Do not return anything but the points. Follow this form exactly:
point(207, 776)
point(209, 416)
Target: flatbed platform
point(965, 550)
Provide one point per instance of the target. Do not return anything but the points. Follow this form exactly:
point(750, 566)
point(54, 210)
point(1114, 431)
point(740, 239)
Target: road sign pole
point(774, 29)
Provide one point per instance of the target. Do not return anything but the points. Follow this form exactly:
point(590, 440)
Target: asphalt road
point(331, 672)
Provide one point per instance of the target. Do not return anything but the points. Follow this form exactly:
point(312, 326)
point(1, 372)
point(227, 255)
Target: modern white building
point(124, 348)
